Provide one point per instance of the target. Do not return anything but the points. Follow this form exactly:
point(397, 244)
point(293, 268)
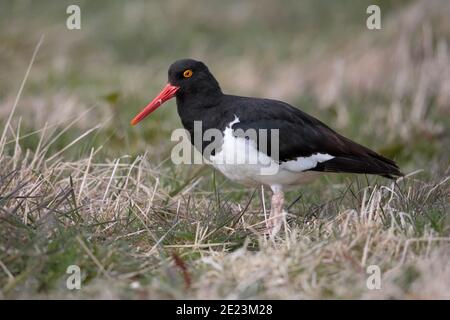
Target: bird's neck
point(199, 113)
point(197, 106)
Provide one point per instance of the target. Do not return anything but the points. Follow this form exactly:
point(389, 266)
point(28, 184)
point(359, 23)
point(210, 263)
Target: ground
point(80, 186)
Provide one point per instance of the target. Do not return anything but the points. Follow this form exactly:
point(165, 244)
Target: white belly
point(240, 161)
point(250, 175)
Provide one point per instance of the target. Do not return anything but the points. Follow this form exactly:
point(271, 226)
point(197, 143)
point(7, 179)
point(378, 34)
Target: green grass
point(141, 227)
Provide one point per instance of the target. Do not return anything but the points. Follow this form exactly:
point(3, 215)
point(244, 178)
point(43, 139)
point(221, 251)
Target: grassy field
point(80, 186)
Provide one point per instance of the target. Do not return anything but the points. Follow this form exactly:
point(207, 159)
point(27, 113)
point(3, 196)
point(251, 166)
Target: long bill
point(167, 93)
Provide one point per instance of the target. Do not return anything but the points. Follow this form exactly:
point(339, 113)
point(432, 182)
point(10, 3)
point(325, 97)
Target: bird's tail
point(369, 164)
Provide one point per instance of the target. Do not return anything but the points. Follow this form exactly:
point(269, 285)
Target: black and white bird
point(305, 146)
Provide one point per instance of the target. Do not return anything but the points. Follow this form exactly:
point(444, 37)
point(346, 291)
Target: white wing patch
point(306, 163)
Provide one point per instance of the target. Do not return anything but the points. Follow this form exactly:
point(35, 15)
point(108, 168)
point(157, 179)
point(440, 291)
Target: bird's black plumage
point(200, 98)
point(303, 143)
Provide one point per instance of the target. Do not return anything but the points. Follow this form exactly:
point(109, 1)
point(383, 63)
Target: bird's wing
point(301, 136)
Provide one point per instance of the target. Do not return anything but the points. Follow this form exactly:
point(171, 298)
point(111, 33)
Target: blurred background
point(387, 88)
point(73, 184)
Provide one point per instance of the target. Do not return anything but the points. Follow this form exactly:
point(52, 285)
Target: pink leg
point(276, 212)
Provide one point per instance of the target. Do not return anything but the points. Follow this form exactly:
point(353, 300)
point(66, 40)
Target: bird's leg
point(276, 212)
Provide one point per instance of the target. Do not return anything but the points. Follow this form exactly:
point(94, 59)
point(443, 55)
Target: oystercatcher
point(304, 146)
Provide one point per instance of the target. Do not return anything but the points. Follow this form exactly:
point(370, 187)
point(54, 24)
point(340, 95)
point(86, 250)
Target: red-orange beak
point(167, 93)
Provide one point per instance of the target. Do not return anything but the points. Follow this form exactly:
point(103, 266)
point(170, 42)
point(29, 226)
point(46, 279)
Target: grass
point(79, 186)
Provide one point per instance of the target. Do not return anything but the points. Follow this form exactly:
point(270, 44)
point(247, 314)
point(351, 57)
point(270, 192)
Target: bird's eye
point(187, 73)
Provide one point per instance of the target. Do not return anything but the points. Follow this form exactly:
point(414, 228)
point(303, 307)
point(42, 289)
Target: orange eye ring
point(187, 73)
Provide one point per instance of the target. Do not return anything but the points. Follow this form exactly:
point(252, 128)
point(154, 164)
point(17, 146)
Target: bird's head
point(186, 78)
